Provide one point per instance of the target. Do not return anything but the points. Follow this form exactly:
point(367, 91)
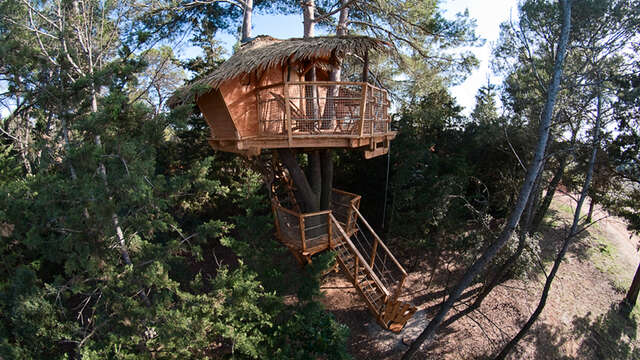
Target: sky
point(489, 14)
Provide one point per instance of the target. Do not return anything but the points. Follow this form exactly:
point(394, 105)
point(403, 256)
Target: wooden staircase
point(370, 276)
point(360, 253)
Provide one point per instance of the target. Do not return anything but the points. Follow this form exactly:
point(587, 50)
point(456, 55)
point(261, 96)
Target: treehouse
point(277, 94)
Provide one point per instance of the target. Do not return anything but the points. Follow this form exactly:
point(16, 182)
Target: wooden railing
point(322, 108)
point(379, 257)
point(312, 231)
point(359, 260)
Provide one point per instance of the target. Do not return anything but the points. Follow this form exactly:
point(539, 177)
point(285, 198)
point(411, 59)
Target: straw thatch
point(265, 52)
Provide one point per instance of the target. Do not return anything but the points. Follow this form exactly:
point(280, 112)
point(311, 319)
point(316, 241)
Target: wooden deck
point(317, 114)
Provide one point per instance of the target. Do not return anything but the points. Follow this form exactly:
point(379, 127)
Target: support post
point(302, 236)
point(373, 251)
point(363, 107)
point(287, 113)
point(329, 230)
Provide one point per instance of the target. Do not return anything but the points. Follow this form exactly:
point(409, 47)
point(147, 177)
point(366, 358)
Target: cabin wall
point(217, 116)
point(241, 100)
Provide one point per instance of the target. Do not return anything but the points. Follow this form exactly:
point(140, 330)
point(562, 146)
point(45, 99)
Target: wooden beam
point(302, 235)
point(363, 108)
point(287, 114)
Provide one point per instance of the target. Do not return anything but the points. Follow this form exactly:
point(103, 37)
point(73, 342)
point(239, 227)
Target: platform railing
point(312, 231)
point(322, 108)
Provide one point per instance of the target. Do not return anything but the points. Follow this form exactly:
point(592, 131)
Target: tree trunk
point(572, 233)
point(304, 193)
point(308, 21)
point(590, 213)
point(343, 19)
point(632, 295)
point(326, 158)
point(315, 173)
point(246, 20)
point(532, 173)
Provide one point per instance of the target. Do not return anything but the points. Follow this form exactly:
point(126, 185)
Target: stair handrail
point(379, 242)
point(361, 259)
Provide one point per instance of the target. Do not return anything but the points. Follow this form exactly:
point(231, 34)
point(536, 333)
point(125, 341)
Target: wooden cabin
point(262, 98)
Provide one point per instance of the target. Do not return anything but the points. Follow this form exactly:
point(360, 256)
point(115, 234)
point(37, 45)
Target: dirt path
point(579, 322)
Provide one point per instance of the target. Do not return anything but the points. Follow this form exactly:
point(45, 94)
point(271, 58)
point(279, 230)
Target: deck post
point(302, 236)
point(329, 229)
point(287, 113)
point(363, 107)
point(373, 251)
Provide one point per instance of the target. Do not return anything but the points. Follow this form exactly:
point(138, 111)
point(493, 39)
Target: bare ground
point(580, 320)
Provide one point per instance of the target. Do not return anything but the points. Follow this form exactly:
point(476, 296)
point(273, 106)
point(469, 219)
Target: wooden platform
point(318, 114)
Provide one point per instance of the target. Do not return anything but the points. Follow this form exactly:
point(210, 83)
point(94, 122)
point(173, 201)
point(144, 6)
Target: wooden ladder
point(390, 313)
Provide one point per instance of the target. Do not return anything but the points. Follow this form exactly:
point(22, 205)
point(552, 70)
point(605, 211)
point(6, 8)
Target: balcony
point(320, 114)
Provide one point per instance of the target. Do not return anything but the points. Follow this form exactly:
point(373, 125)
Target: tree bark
point(308, 18)
point(572, 233)
point(525, 191)
point(632, 295)
point(246, 20)
point(304, 192)
point(315, 173)
point(592, 204)
point(326, 159)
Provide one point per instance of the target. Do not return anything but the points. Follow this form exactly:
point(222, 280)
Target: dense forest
point(123, 235)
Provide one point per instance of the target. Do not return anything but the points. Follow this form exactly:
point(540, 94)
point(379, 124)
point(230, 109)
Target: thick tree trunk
point(326, 159)
point(308, 18)
point(532, 173)
point(304, 193)
point(630, 300)
point(246, 20)
point(343, 20)
point(315, 173)
point(565, 245)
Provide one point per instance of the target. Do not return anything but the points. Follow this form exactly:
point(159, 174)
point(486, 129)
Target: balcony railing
point(312, 231)
point(322, 108)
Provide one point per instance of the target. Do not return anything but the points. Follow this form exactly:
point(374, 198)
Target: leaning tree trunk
point(532, 173)
point(630, 300)
point(592, 204)
point(565, 245)
point(304, 193)
point(501, 273)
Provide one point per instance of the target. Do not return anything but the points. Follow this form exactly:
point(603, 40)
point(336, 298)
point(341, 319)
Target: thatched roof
point(265, 52)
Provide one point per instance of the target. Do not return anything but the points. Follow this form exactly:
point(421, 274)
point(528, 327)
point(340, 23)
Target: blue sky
point(489, 14)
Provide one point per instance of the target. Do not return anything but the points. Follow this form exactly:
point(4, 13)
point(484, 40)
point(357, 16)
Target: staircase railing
point(379, 257)
point(359, 259)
